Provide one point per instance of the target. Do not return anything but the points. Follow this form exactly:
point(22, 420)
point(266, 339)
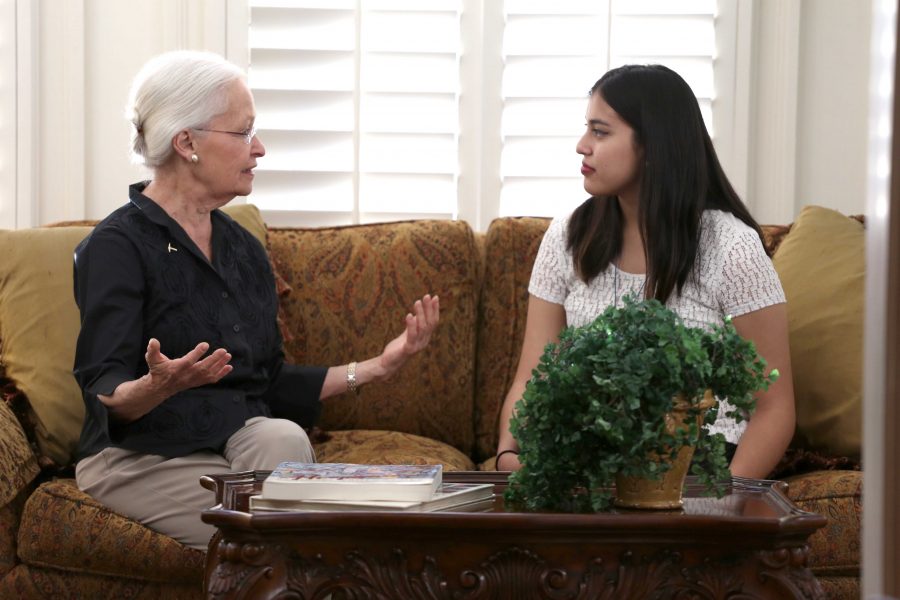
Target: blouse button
point(225, 294)
point(235, 399)
point(236, 328)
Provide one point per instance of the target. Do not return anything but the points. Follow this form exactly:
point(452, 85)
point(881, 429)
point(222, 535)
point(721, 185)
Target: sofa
point(343, 293)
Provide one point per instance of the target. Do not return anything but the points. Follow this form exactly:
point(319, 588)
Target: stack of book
point(294, 486)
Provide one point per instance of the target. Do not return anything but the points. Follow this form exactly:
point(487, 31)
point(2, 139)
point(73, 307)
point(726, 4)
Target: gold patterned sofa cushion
point(18, 468)
point(352, 287)
point(510, 247)
point(390, 447)
point(10, 516)
point(18, 464)
point(837, 495)
point(64, 528)
point(834, 555)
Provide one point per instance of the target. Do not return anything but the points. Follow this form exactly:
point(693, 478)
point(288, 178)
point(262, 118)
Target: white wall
point(8, 75)
point(833, 100)
point(90, 49)
point(809, 107)
point(113, 54)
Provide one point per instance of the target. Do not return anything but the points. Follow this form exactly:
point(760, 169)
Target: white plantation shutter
point(553, 53)
point(680, 35)
point(357, 105)
point(359, 101)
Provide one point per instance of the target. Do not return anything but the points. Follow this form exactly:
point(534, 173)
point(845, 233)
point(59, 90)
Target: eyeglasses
point(247, 135)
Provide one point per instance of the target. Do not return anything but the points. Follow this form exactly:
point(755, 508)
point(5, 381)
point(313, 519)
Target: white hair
point(172, 92)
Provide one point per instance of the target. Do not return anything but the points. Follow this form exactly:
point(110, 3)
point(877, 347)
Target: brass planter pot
point(666, 492)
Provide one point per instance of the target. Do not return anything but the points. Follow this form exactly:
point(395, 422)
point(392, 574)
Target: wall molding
point(772, 165)
point(195, 25)
point(8, 114)
point(731, 108)
point(27, 190)
point(59, 95)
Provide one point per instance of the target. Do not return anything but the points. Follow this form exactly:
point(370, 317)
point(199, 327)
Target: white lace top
point(734, 277)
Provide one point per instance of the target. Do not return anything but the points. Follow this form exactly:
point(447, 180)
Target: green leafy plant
point(596, 403)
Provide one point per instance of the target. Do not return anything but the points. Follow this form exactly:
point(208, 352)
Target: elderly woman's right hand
point(167, 376)
point(172, 375)
point(420, 323)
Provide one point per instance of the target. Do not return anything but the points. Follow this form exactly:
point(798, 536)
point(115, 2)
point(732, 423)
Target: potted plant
point(602, 403)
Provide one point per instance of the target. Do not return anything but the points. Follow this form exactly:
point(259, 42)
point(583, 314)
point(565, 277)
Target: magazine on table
point(459, 497)
point(343, 481)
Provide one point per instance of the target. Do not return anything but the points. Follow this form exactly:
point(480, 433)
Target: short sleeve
point(748, 277)
point(548, 275)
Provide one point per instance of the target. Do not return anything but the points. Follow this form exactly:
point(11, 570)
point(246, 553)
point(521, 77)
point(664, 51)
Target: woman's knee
point(282, 440)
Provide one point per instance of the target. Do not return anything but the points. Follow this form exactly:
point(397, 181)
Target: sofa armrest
point(18, 468)
point(835, 550)
point(18, 464)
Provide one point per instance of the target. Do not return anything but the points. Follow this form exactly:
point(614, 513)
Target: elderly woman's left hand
point(419, 325)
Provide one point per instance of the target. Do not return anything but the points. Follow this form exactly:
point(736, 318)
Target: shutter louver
point(357, 105)
point(553, 54)
point(358, 101)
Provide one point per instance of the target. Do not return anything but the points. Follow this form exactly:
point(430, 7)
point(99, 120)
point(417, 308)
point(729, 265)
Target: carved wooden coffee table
point(749, 544)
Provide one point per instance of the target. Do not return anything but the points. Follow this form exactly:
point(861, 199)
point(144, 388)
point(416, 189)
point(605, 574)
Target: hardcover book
point(341, 481)
point(459, 497)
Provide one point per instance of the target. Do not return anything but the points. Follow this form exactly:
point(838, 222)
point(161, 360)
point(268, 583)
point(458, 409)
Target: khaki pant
point(166, 495)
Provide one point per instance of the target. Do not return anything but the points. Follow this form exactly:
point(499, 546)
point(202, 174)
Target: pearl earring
point(195, 159)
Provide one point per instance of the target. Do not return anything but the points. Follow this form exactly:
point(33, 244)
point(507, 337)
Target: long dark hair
point(680, 178)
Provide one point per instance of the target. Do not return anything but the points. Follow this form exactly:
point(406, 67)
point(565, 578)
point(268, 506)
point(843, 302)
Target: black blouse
point(138, 275)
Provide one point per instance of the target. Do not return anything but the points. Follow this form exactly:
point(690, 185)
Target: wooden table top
point(751, 509)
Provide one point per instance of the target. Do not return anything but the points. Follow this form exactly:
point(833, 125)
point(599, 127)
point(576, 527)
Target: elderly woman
point(179, 356)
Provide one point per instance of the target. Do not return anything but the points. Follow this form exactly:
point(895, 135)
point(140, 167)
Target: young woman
point(662, 222)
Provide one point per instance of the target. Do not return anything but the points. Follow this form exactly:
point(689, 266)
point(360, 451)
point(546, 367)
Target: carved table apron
point(749, 544)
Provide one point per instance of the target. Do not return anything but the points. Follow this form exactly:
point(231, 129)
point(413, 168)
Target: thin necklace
point(616, 285)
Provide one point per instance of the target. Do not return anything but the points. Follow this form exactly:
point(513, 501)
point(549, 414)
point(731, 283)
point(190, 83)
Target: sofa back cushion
point(39, 325)
point(510, 247)
point(821, 263)
point(352, 287)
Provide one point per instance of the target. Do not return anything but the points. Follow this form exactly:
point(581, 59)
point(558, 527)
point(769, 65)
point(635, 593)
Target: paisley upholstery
point(837, 495)
point(834, 555)
point(27, 581)
point(352, 287)
point(390, 447)
point(18, 464)
point(510, 247)
point(62, 527)
point(344, 292)
point(10, 516)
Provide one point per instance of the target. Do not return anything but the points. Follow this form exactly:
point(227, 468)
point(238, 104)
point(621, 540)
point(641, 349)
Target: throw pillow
point(248, 217)
point(39, 325)
point(821, 263)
